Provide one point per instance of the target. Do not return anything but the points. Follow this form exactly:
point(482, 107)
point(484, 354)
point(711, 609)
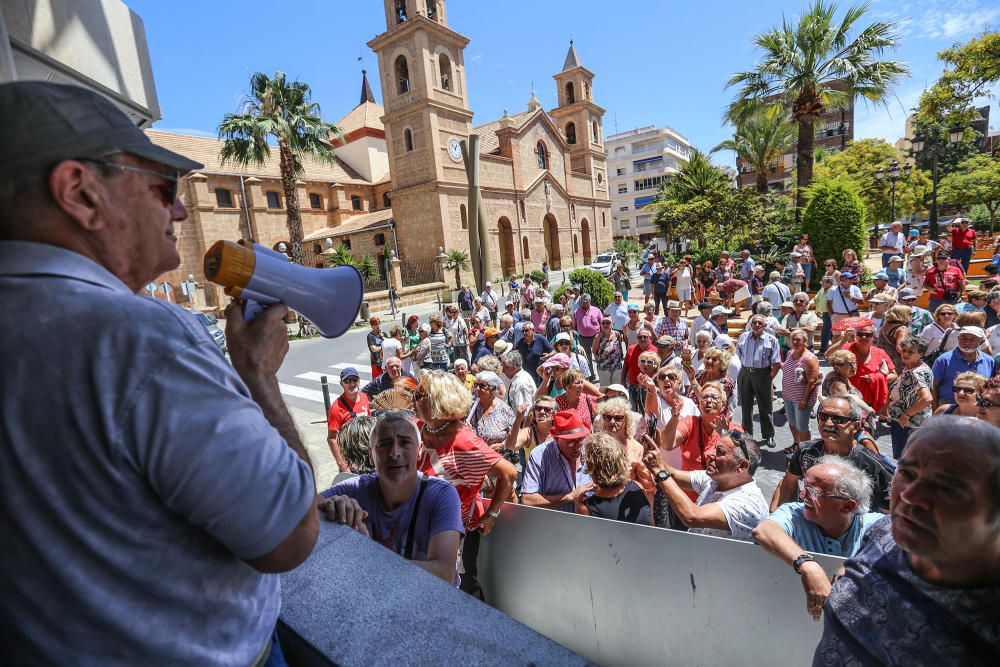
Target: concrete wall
point(622, 594)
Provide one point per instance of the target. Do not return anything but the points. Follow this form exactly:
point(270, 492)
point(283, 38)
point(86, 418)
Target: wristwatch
point(800, 561)
point(495, 515)
point(662, 475)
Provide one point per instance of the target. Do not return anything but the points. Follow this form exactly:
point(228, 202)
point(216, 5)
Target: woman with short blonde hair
point(614, 495)
point(447, 397)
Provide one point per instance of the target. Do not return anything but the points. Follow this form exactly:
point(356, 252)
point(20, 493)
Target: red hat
point(567, 425)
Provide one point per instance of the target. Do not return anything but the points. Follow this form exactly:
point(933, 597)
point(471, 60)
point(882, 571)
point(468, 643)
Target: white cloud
point(939, 19)
point(476, 58)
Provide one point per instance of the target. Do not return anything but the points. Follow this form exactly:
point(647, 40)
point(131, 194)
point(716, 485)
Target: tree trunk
point(287, 163)
point(804, 161)
point(992, 208)
point(762, 180)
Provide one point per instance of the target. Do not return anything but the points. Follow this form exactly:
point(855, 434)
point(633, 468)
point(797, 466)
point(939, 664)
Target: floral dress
point(906, 390)
point(609, 353)
point(584, 408)
point(494, 427)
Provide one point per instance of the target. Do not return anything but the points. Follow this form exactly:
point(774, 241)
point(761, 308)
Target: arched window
point(571, 133)
point(464, 215)
point(597, 133)
point(432, 7)
point(402, 75)
point(445, 71)
point(386, 200)
point(356, 202)
point(525, 250)
point(380, 239)
point(586, 90)
point(407, 140)
point(570, 93)
point(400, 11)
point(543, 158)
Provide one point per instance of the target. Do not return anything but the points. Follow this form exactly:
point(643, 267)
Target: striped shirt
point(756, 353)
point(463, 463)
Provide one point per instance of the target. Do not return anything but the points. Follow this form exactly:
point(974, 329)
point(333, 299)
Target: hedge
point(835, 220)
point(592, 282)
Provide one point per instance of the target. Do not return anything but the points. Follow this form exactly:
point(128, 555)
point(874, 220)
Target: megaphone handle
point(252, 309)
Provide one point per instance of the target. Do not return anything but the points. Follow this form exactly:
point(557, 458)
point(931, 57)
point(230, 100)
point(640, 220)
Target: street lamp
point(936, 148)
point(893, 174)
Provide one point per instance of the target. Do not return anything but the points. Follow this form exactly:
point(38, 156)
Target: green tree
point(457, 261)
point(835, 218)
point(970, 69)
point(630, 251)
point(816, 65)
point(697, 177)
point(591, 282)
point(858, 163)
point(342, 256)
point(279, 109)
point(977, 181)
point(760, 140)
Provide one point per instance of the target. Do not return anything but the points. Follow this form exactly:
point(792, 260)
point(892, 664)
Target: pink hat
point(559, 360)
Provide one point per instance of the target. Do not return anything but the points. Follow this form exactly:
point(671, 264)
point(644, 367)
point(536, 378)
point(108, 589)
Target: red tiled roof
point(489, 143)
point(355, 223)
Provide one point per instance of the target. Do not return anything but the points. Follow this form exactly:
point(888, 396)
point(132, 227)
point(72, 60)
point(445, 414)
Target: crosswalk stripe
point(301, 392)
point(362, 370)
point(317, 377)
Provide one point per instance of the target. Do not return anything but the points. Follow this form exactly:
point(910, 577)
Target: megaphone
point(330, 298)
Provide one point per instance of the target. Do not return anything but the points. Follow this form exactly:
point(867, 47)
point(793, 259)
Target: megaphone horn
point(330, 298)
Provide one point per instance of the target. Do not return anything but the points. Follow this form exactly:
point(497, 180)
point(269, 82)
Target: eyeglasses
point(739, 439)
point(983, 403)
point(480, 385)
point(836, 419)
point(864, 335)
point(710, 398)
point(800, 301)
point(648, 363)
point(543, 410)
point(963, 390)
point(167, 190)
point(812, 493)
point(613, 418)
point(946, 314)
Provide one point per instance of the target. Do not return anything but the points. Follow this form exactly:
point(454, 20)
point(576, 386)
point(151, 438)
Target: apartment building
point(638, 161)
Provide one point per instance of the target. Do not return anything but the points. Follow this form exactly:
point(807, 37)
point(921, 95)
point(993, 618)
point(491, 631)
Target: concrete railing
point(622, 594)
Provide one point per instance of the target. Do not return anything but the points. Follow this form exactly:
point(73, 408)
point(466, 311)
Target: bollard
point(326, 392)
point(439, 301)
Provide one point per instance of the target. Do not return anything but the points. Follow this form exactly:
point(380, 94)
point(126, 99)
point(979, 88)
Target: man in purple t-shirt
point(587, 319)
point(418, 517)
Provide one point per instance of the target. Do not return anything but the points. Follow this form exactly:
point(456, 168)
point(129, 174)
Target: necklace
point(435, 431)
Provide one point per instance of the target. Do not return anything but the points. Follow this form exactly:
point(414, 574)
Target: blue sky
point(656, 62)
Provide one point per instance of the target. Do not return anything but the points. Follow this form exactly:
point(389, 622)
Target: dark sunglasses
point(983, 403)
point(613, 418)
point(739, 439)
point(543, 410)
point(963, 390)
point(836, 419)
point(167, 189)
point(864, 335)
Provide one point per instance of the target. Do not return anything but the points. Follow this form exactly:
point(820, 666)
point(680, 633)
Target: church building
point(398, 186)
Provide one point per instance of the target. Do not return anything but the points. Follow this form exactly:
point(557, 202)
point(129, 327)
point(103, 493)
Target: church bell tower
point(579, 119)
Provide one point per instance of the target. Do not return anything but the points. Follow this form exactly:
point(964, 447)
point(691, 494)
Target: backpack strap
point(346, 405)
point(408, 550)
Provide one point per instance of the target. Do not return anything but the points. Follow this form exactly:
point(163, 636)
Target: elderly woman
point(462, 373)
point(575, 399)
point(567, 327)
point(392, 345)
point(385, 506)
point(875, 370)
point(453, 451)
point(353, 439)
point(491, 418)
point(615, 419)
point(482, 312)
point(441, 341)
point(967, 388)
point(716, 369)
point(895, 328)
point(421, 354)
point(614, 496)
point(702, 343)
point(831, 271)
point(536, 429)
point(989, 402)
point(851, 265)
point(912, 396)
point(457, 331)
point(942, 332)
point(800, 380)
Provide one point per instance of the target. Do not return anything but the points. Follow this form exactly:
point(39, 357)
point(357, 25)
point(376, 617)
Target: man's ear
point(850, 506)
point(77, 193)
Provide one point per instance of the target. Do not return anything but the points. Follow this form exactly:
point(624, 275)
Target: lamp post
point(935, 148)
point(892, 173)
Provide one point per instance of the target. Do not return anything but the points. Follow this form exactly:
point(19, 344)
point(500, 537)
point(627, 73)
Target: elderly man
point(760, 356)
point(348, 405)
point(418, 517)
point(491, 300)
point(800, 318)
point(533, 349)
point(776, 292)
point(386, 381)
point(922, 589)
point(747, 265)
point(520, 385)
point(673, 324)
point(966, 357)
point(587, 319)
point(718, 322)
point(944, 281)
point(881, 280)
point(892, 242)
point(527, 293)
point(151, 488)
point(730, 504)
point(704, 312)
point(489, 337)
point(552, 325)
point(539, 315)
point(839, 421)
point(919, 317)
point(963, 242)
point(555, 476)
point(831, 519)
point(617, 310)
point(842, 302)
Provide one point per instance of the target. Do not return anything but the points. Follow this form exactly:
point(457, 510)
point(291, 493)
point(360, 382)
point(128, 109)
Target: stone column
point(395, 273)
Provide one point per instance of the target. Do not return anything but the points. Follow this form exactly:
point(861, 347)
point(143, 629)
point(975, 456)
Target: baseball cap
point(720, 310)
point(975, 331)
point(46, 123)
point(666, 341)
point(561, 337)
point(349, 372)
point(704, 305)
point(914, 232)
point(944, 254)
point(722, 340)
point(584, 297)
point(881, 275)
point(633, 306)
point(895, 258)
point(492, 331)
point(907, 293)
point(847, 275)
point(558, 360)
point(787, 304)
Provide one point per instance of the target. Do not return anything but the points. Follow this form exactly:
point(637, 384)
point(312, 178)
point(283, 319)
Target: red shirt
point(960, 239)
point(695, 445)
point(937, 282)
point(340, 415)
point(632, 361)
point(869, 379)
point(464, 463)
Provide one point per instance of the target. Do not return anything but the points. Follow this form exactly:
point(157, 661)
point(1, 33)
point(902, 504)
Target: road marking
point(317, 377)
point(314, 395)
point(361, 371)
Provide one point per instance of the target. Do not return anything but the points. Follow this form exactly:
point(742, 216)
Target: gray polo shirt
point(137, 473)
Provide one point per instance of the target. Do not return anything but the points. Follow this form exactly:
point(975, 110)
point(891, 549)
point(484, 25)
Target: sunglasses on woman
point(969, 391)
point(542, 410)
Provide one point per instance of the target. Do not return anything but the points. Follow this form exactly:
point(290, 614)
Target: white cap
point(720, 310)
point(562, 336)
point(615, 387)
point(722, 340)
point(975, 331)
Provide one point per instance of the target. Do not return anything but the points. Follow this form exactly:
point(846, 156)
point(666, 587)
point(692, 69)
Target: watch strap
point(800, 561)
point(495, 515)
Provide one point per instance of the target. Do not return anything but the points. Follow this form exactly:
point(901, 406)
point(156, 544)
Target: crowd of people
point(153, 488)
point(638, 413)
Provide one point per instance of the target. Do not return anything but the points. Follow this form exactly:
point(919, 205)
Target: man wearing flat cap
point(151, 489)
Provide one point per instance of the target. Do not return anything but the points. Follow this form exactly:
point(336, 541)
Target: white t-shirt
point(743, 506)
point(933, 334)
point(688, 409)
point(520, 389)
point(993, 338)
point(696, 324)
point(391, 347)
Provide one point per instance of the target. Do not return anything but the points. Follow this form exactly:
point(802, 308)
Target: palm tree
point(814, 66)
point(280, 110)
point(696, 178)
point(457, 261)
point(760, 140)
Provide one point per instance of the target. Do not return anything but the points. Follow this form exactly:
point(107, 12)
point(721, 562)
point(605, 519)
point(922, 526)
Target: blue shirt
point(618, 314)
point(138, 475)
point(809, 536)
point(531, 355)
point(776, 294)
point(758, 351)
point(746, 268)
point(947, 367)
point(548, 473)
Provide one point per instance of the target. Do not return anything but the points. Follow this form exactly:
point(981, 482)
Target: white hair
point(851, 481)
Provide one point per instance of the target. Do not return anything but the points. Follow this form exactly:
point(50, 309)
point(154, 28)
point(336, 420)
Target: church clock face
point(455, 150)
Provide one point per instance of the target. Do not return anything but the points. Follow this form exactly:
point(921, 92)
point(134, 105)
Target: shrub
point(835, 219)
point(536, 276)
point(591, 282)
